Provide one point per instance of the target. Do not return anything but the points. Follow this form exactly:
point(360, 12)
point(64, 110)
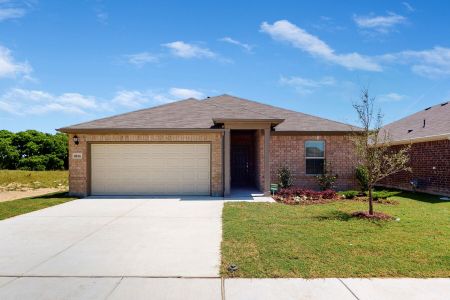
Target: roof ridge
point(134, 111)
point(288, 110)
point(245, 108)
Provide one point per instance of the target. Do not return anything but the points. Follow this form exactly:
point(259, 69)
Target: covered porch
point(246, 155)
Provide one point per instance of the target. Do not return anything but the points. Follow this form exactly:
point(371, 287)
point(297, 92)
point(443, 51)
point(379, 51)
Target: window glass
point(315, 149)
point(315, 157)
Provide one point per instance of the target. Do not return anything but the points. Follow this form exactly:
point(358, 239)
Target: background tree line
point(33, 150)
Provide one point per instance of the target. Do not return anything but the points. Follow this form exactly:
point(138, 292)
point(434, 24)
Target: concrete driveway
point(153, 249)
point(115, 237)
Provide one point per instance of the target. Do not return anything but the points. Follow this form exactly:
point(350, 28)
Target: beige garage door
point(150, 169)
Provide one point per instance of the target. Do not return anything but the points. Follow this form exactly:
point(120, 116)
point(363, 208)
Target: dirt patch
point(375, 216)
point(14, 195)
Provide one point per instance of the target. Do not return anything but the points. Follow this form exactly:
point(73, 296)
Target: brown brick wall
point(290, 151)
point(259, 146)
point(430, 164)
point(78, 168)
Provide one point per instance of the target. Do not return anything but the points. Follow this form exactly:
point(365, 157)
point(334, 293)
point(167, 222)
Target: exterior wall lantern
point(76, 140)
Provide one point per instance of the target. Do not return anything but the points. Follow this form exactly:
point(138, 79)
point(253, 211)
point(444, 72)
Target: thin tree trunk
point(370, 201)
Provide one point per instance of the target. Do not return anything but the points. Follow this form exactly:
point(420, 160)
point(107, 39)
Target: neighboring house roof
point(202, 114)
point(432, 123)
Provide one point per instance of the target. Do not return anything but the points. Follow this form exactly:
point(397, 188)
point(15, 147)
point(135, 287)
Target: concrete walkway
point(42, 288)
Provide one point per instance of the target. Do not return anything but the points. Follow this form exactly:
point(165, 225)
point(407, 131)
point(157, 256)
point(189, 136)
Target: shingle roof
point(432, 121)
point(199, 114)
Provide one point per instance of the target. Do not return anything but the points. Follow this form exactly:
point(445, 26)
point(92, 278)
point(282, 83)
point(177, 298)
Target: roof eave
point(134, 130)
point(315, 132)
point(430, 138)
point(272, 121)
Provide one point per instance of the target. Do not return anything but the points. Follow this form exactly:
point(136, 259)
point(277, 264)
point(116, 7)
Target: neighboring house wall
point(79, 168)
point(289, 150)
point(430, 164)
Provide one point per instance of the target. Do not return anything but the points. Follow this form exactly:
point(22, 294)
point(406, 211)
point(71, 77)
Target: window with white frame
point(315, 157)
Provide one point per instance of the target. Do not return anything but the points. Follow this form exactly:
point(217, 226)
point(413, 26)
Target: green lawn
point(13, 208)
point(322, 240)
point(17, 179)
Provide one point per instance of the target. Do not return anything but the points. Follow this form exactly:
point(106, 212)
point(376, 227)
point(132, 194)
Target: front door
point(241, 166)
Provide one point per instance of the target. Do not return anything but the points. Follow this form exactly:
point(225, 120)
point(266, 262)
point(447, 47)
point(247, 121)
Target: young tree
point(373, 146)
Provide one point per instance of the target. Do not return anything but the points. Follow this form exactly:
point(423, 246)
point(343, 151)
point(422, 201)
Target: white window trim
point(315, 157)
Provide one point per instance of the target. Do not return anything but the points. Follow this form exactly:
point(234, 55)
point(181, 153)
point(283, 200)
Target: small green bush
point(54, 162)
point(349, 194)
point(33, 163)
point(362, 176)
point(327, 180)
point(383, 194)
point(285, 177)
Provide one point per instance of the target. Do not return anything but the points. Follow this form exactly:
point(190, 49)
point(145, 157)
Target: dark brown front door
point(241, 165)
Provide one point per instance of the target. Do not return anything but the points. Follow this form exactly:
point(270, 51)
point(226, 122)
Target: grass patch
point(11, 180)
point(276, 240)
point(13, 208)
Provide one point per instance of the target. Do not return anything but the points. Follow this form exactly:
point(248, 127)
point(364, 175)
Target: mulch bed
point(375, 216)
point(303, 201)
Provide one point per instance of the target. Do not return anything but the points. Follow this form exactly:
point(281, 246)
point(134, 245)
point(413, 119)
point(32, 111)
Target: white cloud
point(391, 97)
point(174, 94)
point(408, 6)
point(102, 17)
point(283, 30)
point(7, 13)
point(381, 24)
point(180, 93)
point(328, 24)
point(24, 102)
point(141, 59)
point(132, 99)
point(31, 102)
point(136, 99)
point(14, 9)
point(230, 40)
point(10, 68)
point(185, 50)
point(429, 63)
point(305, 85)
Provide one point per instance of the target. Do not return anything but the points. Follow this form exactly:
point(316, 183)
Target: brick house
point(428, 132)
point(205, 147)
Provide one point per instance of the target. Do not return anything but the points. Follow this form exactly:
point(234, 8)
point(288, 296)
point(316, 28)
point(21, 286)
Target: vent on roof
point(410, 130)
point(427, 108)
point(445, 103)
point(423, 123)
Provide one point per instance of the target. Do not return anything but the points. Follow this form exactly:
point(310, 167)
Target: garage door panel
point(150, 169)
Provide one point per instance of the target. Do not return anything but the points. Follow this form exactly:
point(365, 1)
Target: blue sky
point(65, 62)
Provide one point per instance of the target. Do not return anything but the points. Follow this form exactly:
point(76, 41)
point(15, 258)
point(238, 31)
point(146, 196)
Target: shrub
point(376, 195)
point(285, 177)
point(362, 176)
point(33, 163)
point(327, 180)
point(328, 194)
point(349, 194)
point(54, 163)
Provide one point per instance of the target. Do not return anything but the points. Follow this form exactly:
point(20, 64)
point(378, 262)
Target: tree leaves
point(33, 150)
